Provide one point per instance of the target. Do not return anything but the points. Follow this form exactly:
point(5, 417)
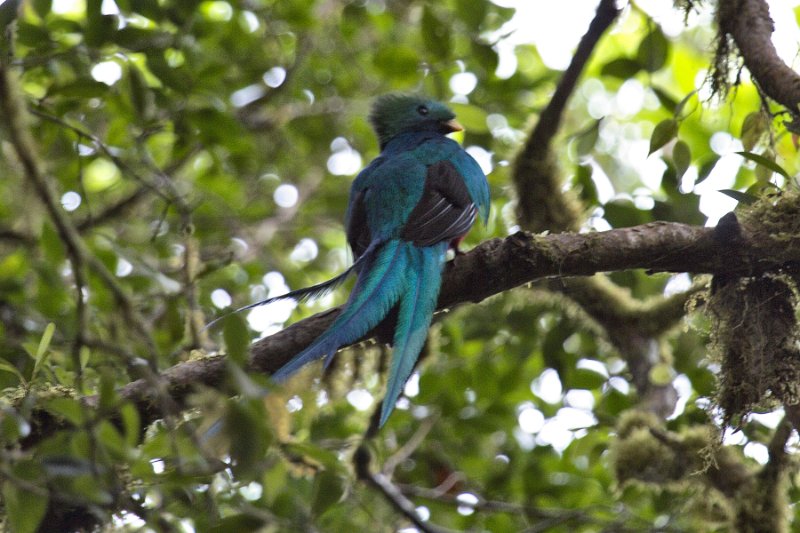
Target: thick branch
point(502, 264)
point(749, 24)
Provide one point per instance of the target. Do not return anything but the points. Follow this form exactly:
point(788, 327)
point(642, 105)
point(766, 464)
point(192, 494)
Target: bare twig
point(14, 236)
point(114, 210)
point(409, 447)
point(389, 491)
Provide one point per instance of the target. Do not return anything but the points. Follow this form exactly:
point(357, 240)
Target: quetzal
point(418, 198)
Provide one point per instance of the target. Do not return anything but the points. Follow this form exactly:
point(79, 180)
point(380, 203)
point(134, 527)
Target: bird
point(418, 198)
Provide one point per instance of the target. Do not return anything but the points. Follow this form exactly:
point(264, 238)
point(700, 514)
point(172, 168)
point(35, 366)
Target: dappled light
point(615, 345)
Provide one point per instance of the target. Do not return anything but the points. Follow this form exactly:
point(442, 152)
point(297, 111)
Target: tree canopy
point(616, 351)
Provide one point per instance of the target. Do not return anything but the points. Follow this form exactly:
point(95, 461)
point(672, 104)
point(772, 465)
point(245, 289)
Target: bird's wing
point(474, 180)
point(357, 229)
point(444, 212)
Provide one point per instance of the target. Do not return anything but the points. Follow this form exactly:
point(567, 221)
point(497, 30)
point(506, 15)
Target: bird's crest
point(397, 113)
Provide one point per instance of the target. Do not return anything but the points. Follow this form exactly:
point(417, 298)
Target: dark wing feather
point(358, 234)
point(444, 212)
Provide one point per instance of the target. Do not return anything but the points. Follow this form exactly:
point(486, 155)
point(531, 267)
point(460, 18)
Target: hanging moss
point(755, 331)
point(755, 336)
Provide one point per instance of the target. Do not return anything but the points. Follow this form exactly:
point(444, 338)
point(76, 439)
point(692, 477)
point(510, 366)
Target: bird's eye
point(422, 110)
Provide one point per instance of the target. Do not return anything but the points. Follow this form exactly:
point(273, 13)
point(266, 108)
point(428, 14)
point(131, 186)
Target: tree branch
point(542, 204)
point(535, 177)
point(499, 265)
point(389, 491)
point(749, 25)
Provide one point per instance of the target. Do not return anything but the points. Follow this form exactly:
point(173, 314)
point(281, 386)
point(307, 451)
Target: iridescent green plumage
point(419, 197)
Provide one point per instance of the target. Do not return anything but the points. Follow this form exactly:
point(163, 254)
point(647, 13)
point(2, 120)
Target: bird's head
point(393, 114)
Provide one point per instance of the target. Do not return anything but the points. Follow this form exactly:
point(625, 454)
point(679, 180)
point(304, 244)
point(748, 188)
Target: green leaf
point(8, 367)
point(326, 458)
point(683, 102)
point(400, 63)
point(683, 208)
point(753, 128)
point(85, 356)
point(68, 408)
point(149, 8)
point(237, 338)
point(706, 167)
point(588, 189)
point(24, 508)
point(664, 132)
point(44, 342)
point(81, 88)
point(660, 374)
point(623, 214)
point(42, 7)
point(140, 39)
point(587, 138)
point(682, 158)
point(29, 34)
point(653, 50)
point(131, 424)
point(42, 351)
point(435, 33)
point(12, 425)
point(742, 197)
point(243, 523)
point(485, 54)
point(761, 160)
point(621, 67)
point(764, 173)
point(472, 13)
point(244, 424)
point(109, 397)
point(110, 438)
point(667, 101)
point(141, 97)
point(99, 28)
point(87, 488)
point(328, 490)
point(583, 378)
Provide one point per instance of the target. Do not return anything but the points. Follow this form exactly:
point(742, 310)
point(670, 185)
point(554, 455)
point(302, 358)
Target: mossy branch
point(749, 25)
point(499, 265)
point(541, 204)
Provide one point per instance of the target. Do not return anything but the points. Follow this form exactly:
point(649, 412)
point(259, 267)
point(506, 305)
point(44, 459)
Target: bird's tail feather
point(379, 286)
point(306, 293)
point(424, 278)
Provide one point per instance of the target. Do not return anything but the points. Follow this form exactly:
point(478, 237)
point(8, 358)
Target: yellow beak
point(453, 125)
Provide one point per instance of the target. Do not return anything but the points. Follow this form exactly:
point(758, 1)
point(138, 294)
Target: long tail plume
point(379, 287)
point(306, 293)
point(417, 304)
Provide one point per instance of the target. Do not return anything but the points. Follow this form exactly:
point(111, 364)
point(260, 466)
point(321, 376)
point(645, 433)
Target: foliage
point(204, 150)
